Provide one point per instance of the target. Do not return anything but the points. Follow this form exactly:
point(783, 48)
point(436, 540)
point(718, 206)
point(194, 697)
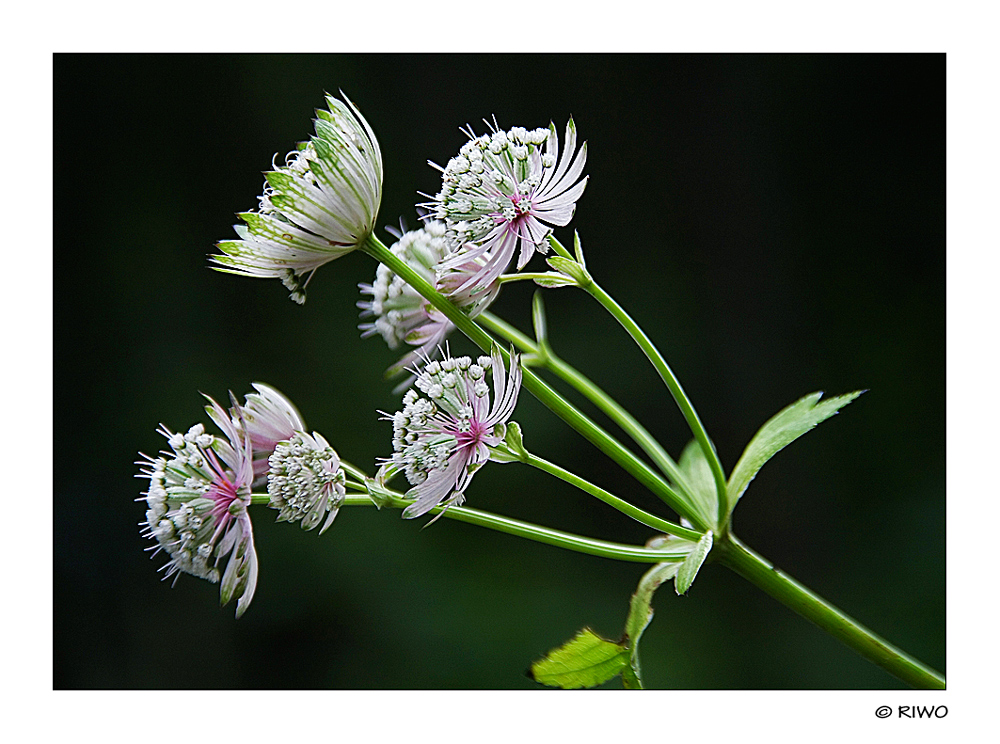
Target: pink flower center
point(223, 492)
point(475, 436)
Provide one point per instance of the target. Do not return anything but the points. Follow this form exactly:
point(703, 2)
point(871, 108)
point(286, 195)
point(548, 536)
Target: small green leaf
point(570, 268)
point(697, 474)
point(552, 281)
point(514, 439)
point(379, 495)
point(586, 661)
point(780, 431)
point(511, 449)
point(578, 249)
point(640, 613)
point(692, 564)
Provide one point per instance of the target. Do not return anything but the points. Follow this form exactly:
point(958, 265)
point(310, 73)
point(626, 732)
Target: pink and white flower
point(305, 481)
point(441, 440)
point(401, 315)
point(502, 194)
point(267, 417)
point(197, 507)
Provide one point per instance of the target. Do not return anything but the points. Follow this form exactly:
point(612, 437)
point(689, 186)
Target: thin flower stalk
point(673, 384)
point(545, 394)
point(400, 315)
point(545, 357)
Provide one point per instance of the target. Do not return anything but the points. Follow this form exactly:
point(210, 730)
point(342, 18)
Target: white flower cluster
point(399, 310)
point(305, 481)
point(490, 176)
point(401, 314)
point(423, 438)
point(182, 499)
point(199, 492)
point(501, 195)
point(441, 440)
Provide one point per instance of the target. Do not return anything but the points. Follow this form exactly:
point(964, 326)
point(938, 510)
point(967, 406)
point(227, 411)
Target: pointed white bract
point(400, 314)
point(320, 205)
point(441, 440)
point(267, 417)
point(305, 481)
point(197, 503)
point(502, 195)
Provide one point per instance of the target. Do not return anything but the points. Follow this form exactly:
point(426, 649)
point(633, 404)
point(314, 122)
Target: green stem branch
point(668, 377)
point(760, 572)
point(621, 505)
point(527, 530)
point(569, 374)
point(536, 386)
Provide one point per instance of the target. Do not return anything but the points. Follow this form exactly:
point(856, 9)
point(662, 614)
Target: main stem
point(545, 394)
point(760, 572)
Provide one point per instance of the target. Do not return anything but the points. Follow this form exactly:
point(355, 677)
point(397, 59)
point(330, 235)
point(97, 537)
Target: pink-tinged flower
point(401, 315)
point(501, 195)
point(319, 206)
point(267, 417)
point(441, 440)
point(305, 481)
point(197, 507)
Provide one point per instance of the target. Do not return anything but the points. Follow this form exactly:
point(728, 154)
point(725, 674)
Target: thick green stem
point(621, 505)
point(760, 572)
point(546, 395)
point(595, 395)
point(667, 375)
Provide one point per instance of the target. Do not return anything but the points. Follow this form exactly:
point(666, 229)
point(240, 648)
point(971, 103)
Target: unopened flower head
point(267, 417)
point(197, 503)
point(441, 440)
point(502, 194)
point(305, 481)
point(401, 314)
point(320, 205)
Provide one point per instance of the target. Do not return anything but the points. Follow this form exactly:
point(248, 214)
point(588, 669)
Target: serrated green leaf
point(780, 431)
point(692, 564)
point(585, 661)
point(700, 483)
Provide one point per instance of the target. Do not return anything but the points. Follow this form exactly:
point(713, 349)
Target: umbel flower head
point(441, 440)
point(401, 315)
point(502, 194)
point(267, 417)
point(321, 205)
point(305, 481)
point(197, 503)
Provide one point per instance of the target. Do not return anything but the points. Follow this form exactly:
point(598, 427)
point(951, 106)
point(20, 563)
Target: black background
point(775, 223)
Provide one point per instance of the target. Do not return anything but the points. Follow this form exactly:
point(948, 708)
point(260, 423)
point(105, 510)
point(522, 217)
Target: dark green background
point(775, 223)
